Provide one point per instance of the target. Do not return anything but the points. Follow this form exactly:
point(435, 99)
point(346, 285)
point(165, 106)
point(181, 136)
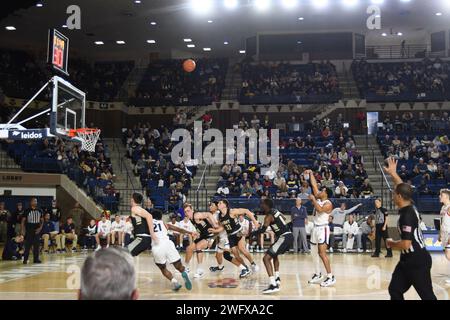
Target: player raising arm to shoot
point(320, 234)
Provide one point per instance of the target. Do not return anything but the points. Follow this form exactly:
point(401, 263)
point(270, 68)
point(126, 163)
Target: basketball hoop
point(87, 136)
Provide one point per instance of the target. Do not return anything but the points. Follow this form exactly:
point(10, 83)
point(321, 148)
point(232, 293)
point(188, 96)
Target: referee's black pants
point(416, 273)
point(31, 240)
point(380, 234)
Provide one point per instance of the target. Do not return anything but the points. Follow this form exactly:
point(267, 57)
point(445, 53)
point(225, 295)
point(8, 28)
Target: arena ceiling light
point(210, 21)
point(187, 40)
point(289, 4)
point(39, 4)
point(99, 43)
point(153, 23)
point(241, 51)
point(301, 18)
point(320, 4)
point(399, 34)
point(230, 4)
point(137, 1)
point(64, 26)
point(225, 42)
point(350, 3)
point(262, 5)
point(384, 34)
point(439, 14)
point(377, 1)
point(206, 49)
point(201, 6)
point(151, 41)
point(10, 28)
point(120, 42)
point(191, 45)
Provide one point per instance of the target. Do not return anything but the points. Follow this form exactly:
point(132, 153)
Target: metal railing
point(200, 200)
point(386, 190)
point(400, 52)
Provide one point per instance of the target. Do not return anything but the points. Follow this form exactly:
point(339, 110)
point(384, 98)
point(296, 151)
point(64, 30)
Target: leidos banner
point(30, 134)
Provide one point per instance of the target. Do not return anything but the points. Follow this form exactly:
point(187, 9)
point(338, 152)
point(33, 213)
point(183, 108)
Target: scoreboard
point(58, 51)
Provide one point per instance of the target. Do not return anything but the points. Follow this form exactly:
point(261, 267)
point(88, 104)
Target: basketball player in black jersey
point(203, 222)
point(414, 266)
point(142, 222)
point(228, 219)
point(283, 243)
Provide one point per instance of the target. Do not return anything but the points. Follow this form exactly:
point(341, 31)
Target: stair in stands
point(369, 149)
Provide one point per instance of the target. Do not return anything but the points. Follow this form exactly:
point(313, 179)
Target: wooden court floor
point(358, 277)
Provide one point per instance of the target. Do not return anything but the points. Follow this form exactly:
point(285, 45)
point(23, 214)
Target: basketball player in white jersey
point(164, 251)
point(320, 233)
point(444, 235)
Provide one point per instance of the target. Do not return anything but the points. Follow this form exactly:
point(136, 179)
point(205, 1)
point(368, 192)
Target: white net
point(88, 139)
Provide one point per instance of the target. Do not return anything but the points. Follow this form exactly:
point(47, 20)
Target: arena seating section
point(426, 80)
point(22, 77)
point(306, 150)
point(90, 171)
point(101, 81)
point(289, 83)
point(166, 83)
point(413, 142)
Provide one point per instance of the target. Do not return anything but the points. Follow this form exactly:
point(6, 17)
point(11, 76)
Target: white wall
point(38, 192)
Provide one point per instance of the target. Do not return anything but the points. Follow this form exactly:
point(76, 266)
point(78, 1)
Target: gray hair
point(108, 274)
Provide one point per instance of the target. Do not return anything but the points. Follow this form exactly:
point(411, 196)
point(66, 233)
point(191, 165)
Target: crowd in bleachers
point(409, 81)
point(89, 170)
point(289, 83)
point(150, 151)
point(20, 76)
point(331, 154)
point(166, 83)
point(422, 147)
point(101, 81)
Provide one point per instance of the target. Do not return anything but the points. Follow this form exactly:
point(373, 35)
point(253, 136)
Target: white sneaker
point(98, 248)
point(344, 250)
point(199, 274)
point(360, 250)
point(328, 282)
point(368, 251)
point(187, 269)
point(107, 246)
point(255, 268)
point(316, 279)
point(331, 250)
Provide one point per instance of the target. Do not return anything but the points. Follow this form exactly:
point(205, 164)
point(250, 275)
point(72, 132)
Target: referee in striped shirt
point(31, 227)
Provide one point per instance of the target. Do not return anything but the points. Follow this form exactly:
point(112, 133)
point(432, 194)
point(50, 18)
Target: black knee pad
point(227, 256)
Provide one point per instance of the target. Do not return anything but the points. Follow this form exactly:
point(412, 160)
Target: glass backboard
point(68, 108)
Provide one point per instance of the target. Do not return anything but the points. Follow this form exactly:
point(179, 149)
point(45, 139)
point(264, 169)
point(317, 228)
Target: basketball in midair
point(189, 65)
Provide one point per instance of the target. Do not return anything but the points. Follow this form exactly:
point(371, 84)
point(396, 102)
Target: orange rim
point(73, 132)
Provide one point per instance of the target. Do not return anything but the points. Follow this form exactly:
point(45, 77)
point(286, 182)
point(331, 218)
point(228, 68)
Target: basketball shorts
point(207, 237)
point(165, 252)
point(283, 244)
point(320, 235)
point(445, 234)
point(139, 245)
point(233, 239)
